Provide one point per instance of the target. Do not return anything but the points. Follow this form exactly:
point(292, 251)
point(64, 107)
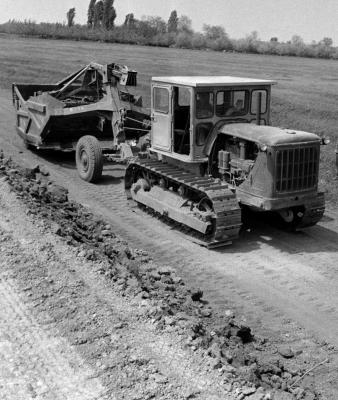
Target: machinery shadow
point(260, 230)
point(58, 158)
point(112, 173)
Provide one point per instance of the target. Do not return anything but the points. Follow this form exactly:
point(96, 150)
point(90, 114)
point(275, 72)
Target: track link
point(225, 213)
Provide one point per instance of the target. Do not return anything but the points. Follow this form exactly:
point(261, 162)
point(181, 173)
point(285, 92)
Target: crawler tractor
point(213, 154)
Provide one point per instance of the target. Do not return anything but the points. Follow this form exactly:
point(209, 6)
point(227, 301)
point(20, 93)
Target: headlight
point(263, 147)
point(325, 140)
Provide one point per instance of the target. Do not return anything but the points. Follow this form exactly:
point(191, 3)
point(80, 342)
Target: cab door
point(161, 106)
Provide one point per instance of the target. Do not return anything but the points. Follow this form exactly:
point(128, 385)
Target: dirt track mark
point(31, 362)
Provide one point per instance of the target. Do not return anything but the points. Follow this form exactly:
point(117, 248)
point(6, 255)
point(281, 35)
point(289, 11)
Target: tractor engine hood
point(268, 135)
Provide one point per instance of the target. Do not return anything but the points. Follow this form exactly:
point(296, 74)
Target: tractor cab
point(186, 110)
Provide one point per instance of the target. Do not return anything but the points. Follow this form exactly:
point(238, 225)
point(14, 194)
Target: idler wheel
point(287, 215)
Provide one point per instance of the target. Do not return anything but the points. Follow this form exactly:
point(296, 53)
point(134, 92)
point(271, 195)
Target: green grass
point(305, 98)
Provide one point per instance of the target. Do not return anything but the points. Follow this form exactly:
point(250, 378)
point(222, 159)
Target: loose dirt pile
point(243, 366)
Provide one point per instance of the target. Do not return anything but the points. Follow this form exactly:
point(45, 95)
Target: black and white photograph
point(168, 200)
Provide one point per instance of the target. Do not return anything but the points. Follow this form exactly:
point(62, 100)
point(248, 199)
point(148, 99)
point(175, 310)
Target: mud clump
point(197, 295)
point(229, 345)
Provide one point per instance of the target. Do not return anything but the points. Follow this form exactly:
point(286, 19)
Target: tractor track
point(274, 279)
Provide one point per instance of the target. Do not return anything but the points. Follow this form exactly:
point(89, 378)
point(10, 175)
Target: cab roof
point(267, 135)
point(207, 81)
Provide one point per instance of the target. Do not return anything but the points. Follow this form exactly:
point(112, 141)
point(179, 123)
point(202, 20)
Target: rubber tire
point(89, 147)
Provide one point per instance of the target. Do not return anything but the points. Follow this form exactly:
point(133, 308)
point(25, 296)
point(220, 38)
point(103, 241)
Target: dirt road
point(283, 284)
point(33, 363)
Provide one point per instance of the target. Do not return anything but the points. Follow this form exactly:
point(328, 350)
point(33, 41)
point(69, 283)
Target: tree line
point(177, 32)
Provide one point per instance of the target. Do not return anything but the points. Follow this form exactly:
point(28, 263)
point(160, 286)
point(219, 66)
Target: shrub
point(198, 41)
point(153, 31)
point(184, 40)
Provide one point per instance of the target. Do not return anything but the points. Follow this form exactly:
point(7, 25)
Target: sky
point(311, 19)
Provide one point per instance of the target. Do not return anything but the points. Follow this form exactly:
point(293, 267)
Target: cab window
point(183, 96)
point(255, 98)
point(231, 103)
point(161, 100)
point(204, 105)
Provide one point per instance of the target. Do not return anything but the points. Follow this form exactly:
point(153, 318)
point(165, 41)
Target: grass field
point(305, 98)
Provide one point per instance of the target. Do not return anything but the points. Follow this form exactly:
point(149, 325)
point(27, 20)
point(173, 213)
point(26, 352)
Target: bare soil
point(131, 320)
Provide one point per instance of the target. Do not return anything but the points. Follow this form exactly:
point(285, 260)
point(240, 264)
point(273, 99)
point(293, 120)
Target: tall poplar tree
point(91, 11)
point(98, 14)
point(109, 14)
point(70, 17)
point(130, 21)
point(172, 22)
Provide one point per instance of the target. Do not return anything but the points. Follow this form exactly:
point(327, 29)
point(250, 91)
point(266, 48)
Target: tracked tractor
point(214, 154)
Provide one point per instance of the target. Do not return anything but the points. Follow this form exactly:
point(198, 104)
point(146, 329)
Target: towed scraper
point(90, 111)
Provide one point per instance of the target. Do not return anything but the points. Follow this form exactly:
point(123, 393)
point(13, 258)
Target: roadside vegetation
point(155, 31)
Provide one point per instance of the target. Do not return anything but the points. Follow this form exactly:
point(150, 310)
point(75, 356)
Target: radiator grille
point(296, 169)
